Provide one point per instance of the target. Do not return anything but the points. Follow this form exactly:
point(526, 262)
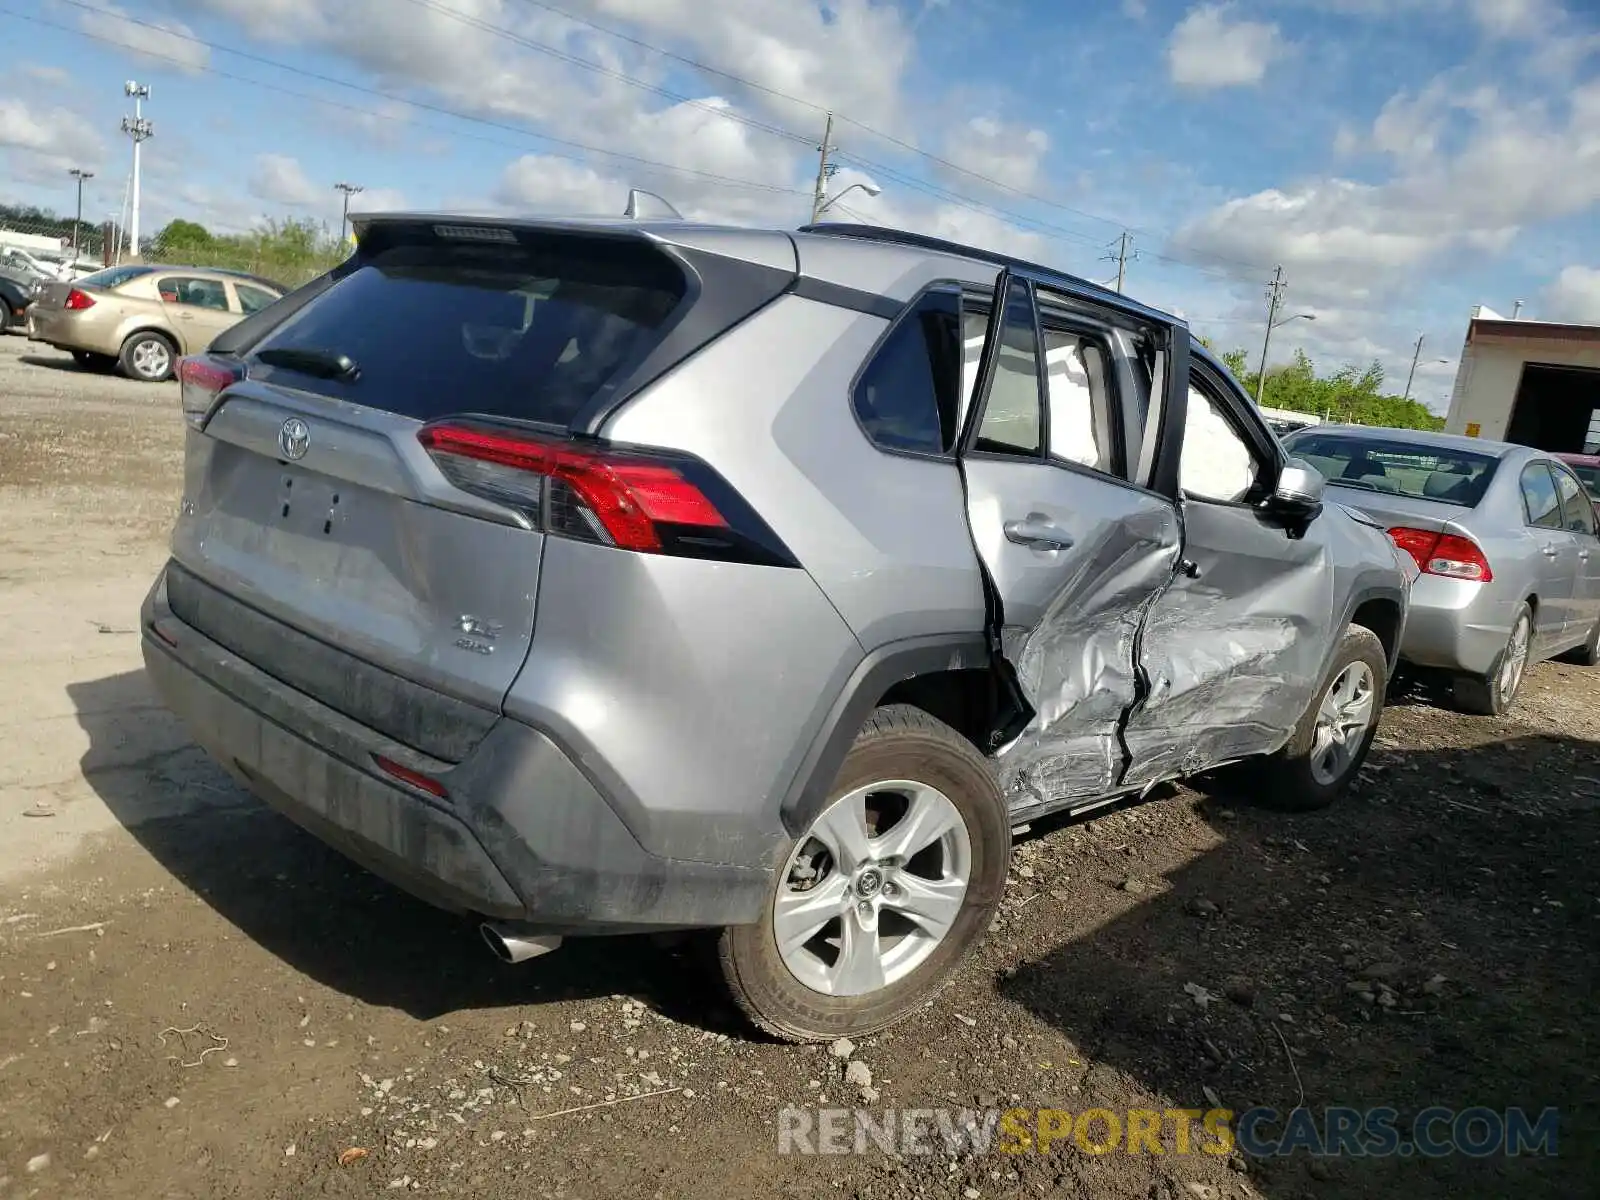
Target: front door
point(1579, 516)
point(1074, 552)
point(1234, 648)
point(198, 308)
point(1555, 559)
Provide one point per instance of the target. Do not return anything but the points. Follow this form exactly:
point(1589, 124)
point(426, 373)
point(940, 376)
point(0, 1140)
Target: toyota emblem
point(294, 438)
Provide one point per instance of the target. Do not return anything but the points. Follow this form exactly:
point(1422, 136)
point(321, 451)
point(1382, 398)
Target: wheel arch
point(949, 676)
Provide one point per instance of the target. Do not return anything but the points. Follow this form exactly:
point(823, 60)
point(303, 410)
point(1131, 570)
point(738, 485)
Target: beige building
point(1536, 383)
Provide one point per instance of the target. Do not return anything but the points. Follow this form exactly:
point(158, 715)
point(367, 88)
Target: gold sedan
point(144, 317)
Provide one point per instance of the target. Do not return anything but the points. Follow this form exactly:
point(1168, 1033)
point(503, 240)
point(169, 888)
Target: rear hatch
point(311, 497)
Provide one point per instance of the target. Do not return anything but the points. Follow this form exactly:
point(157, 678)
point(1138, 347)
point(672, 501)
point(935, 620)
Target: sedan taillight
point(1446, 554)
point(77, 301)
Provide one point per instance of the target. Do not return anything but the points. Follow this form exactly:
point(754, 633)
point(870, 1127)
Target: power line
point(556, 52)
point(865, 128)
point(949, 196)
point(377, 92)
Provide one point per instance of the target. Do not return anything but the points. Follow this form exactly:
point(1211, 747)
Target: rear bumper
point(520, 835)
point(1456, 625)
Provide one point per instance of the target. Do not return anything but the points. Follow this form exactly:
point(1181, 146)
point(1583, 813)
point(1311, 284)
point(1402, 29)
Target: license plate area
point(310, 505)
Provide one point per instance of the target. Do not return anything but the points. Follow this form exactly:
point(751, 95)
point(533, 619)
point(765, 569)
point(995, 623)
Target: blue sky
point(1402, 159)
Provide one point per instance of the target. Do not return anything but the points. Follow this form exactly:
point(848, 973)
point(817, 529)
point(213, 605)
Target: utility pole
point(1274, 297)
point(1412, 374)
point(824, 171)
point(349, 189)
point(1516, 310)
point(140, 131)
point(1121, 257)
point(80, 175)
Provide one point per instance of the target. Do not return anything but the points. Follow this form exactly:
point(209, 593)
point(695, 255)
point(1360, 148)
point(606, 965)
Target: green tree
point(1352, 394)
point(179, 234)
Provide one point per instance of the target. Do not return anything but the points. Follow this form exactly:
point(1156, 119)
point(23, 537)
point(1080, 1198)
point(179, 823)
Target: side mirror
point(1299, 489)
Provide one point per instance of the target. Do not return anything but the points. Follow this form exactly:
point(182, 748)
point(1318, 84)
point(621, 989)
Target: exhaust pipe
point(511, 945)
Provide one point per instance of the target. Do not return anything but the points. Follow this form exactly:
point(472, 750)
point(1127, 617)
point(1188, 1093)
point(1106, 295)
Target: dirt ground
point(198, 1000)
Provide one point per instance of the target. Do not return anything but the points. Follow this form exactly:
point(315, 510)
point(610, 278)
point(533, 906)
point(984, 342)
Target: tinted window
point(114, 276)
point(1011, 416)
point(528, 330)
point(1412, 469)
point(1539, 497)
point(1587, 475)
point(252, 299)
point(1216, 462)
point(1576, 508)
point(907, 397)
point(201, 293)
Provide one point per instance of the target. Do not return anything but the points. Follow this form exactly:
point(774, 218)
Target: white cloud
point(1008, 154)
point(38, 143)
point(53, 76)
point(1339, 238)
point(1209, 49)
point(1514, 18)
point(1137, 9)
point(280, 179)
point(166, 42)
point(1574, 296)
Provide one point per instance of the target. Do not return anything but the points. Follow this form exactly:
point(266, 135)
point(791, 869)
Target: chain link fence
point(290, 252)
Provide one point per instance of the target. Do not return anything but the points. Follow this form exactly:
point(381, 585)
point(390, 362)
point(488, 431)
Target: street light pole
point(140, 131)
point(349, 189)
point(80, 175)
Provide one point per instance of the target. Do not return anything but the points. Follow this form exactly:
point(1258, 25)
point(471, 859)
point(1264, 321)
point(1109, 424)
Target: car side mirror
point(1298, 492)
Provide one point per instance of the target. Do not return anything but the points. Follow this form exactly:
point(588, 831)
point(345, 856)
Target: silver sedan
point(1504, 535)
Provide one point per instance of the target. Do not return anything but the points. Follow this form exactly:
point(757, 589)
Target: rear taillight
point(1446, 554)
point(77, 301)
point(201, 380)
point(650, 502)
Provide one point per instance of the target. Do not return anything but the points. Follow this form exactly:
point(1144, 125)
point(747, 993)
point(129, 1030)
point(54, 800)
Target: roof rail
point(901, 237)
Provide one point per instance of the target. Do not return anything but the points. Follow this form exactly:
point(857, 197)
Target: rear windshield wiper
point(325, 364)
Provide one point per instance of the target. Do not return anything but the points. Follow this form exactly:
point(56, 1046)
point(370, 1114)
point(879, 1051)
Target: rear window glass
point(527, 331)
point(1402, 468)
point(115, 276)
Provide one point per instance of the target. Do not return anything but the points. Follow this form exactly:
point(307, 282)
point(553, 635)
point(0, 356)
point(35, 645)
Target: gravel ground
point(196, 999)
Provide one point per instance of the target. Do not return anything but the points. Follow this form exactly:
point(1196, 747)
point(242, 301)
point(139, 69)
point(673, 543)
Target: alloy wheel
point(152, 359)
point(1343, 717)
point(872, 888)
point(1515, 662)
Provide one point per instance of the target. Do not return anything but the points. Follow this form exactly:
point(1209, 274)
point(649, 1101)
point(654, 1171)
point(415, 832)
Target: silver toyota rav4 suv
point(594, 577)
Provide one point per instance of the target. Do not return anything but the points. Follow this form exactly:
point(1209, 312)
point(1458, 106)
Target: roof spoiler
point(643, 206)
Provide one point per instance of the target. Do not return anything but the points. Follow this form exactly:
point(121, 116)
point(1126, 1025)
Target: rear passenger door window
point(907, 399)
point(1077, 386)
point(1540, 501)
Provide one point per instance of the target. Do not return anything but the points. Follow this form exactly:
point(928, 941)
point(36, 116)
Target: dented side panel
point(1070, 615)
point(1233, 650)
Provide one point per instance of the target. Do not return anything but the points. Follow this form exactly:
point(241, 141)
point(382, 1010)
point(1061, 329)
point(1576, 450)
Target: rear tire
point(1494, 694)
point(148, 357)
point(907, 776)
point(1334, 735)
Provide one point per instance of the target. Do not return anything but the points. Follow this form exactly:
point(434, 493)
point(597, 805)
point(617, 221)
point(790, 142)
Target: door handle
point(1549, 551)
point(1039, 532)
